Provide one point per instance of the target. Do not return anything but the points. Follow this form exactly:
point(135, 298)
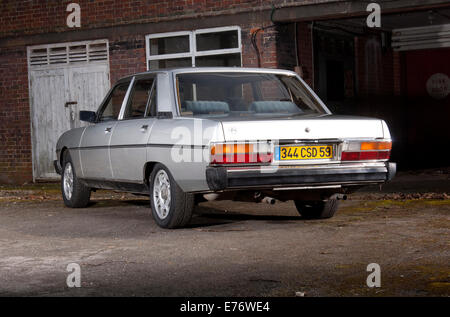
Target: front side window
point(140, 99)
point(199, 48)
point(111, 109)
point(243, 94)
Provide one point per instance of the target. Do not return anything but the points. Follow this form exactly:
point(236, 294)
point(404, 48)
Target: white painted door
point(64, 79)
point(88, 86)
point(49, 117)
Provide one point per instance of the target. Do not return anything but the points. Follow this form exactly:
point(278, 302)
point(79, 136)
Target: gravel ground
point(230, 248)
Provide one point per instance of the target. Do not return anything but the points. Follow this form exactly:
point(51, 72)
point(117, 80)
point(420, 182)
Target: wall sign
point(438, 86)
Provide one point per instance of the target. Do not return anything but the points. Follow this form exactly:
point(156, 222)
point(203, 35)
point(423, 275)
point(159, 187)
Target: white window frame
point(193, 53)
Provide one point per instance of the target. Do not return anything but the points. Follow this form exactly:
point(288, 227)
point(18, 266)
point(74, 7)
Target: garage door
point(64, 78)
point(428, 106)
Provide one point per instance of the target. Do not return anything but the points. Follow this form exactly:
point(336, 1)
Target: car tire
point(171, 206)
point(74, 193)
point(318, 209)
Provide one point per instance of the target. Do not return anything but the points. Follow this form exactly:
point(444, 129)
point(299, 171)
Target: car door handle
point(108, 130)
point(144, 128)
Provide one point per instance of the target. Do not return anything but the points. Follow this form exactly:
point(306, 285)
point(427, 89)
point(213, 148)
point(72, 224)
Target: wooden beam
point(348, 9)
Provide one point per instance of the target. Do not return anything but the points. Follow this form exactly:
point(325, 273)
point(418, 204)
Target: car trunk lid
point(298, 128)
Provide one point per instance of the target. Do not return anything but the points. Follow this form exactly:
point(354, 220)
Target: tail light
point(241, 153)
point(362, 151)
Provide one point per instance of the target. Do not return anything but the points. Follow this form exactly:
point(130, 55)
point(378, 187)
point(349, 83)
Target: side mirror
point(88, 116)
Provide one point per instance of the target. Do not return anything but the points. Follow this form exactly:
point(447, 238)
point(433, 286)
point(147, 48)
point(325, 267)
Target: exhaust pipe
point(211, 196)
point(269, 200)
point(259, 198)
point(339, 197)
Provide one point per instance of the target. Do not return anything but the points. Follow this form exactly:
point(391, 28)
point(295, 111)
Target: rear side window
point(140, 100)
point(112, 107)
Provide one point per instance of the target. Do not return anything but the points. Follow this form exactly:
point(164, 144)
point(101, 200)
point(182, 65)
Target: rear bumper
point(223, 178)
point(57, 166)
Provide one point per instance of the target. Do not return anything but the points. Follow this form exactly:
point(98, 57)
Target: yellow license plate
point(307, 152)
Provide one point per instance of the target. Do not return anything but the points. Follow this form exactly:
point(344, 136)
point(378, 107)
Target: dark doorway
point(334, 65)
point(335, 80)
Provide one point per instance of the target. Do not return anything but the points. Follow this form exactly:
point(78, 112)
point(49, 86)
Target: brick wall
point(377, 74)
point(305, 51)
point(127, 55)
point(266, 42)
point(41, 16)
point(285, 46)
point(15, 137)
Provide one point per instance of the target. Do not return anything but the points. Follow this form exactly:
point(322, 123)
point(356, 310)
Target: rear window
point(243, 94)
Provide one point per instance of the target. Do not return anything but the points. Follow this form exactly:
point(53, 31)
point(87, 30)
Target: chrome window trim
point(125, 99)
point(150, 96)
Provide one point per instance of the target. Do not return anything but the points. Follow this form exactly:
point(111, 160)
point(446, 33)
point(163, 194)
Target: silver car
point(184, 136)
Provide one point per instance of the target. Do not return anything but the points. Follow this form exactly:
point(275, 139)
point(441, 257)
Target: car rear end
point(299, 163)
point(279, 140)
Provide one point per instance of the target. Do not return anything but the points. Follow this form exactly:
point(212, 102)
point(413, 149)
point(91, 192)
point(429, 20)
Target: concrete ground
point(230, 248)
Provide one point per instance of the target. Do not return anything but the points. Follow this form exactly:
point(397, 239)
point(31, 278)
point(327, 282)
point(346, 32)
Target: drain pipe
point(313, 69)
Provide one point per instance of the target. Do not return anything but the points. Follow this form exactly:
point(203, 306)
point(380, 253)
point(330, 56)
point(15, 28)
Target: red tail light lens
point(245, 158)
point(365, 156)
point(350, 156)
point(241, 153)
point(367, 151)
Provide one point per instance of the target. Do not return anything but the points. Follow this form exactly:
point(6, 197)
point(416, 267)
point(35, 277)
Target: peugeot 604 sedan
point(185, 136)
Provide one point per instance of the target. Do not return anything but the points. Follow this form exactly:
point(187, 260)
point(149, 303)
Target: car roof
point(208, 70)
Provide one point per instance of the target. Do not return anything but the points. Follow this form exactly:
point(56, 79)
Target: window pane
point(112, 108)
point(170, 63)
point(227, 60)
point(272, 91)
point(152, 109)
point(235, 94)
point(139, 99)
point(217, 41)
point(169, 45)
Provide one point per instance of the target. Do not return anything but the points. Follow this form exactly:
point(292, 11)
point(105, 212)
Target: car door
point(131, 133)
point(94, 147)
